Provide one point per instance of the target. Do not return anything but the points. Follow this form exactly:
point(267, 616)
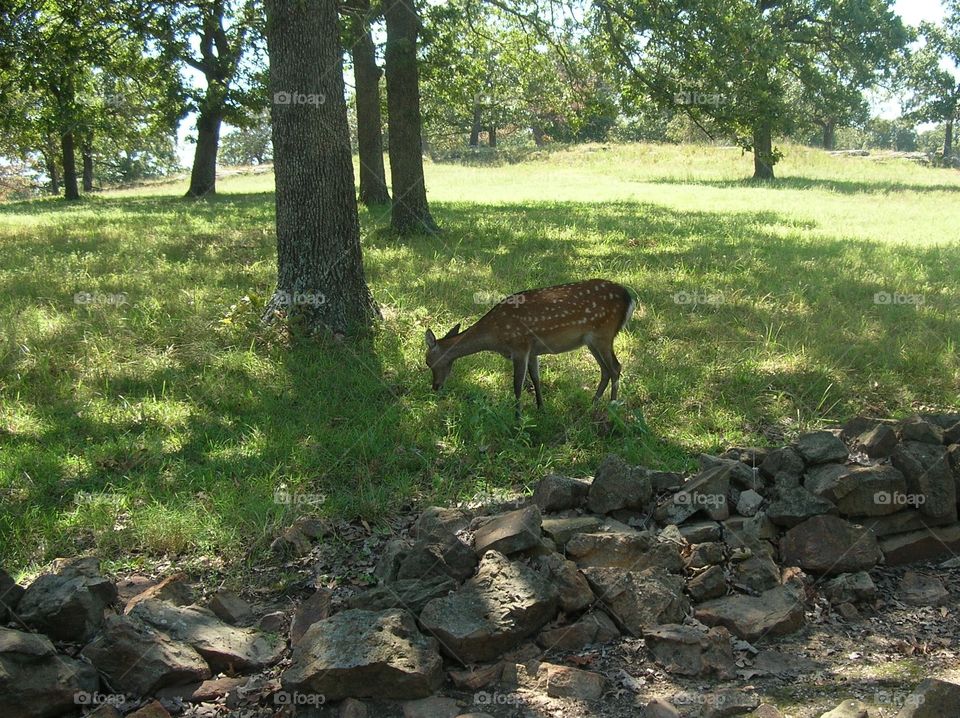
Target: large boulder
point(638, 600)
point(559, 493)
point(224, 647)
point(829, 545)
point(775, 612)
point(68, 604)
point(928, 473)
point(510, 532)
point(138, 659)
point(492, 612)
point(618, 486)
point(36, 682)
point(630, 551)
point(365, 654)
point(820, 447)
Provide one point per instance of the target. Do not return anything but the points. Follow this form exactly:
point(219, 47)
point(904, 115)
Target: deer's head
point(438, 358)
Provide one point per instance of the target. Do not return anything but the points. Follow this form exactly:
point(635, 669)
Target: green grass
point(165, 425)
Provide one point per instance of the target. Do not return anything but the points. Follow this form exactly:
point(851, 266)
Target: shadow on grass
point(815, 183)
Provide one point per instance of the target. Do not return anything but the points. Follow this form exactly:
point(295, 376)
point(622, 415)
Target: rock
point(173, 589)
point(208, 691)
point(691, 651)
point(952, 434)
point(749, 503)
point(492, 612)
point(560, 530)
point(352, 708)
point(365, 654)
point(821, 447)
point(871, 491)
point(783, 466)
point(273, 622)
point(921, 545)
point(919, 589)
point(68, 605)
point(776, 612)
point(558, 493)
point(633, 551)
point(922, 431)
point(848, 709)
point(565, 682)
point(933, 698)
point(741, 475)
point(704, 554)
point(224, 647)
point(856, 426)
point(312, 610)
point(822, 480)
point(829, 545)
point(758, 573)
point(904, 521)
point(796, 505)
point(953, 456)
point(638, 600)
point(138, 659)
point(848, 611)
point(665, 481)
point(928, 474)
point(443, 555)
point(10, 594)
point(729, 702)
point(765, 710)
point(476, 678)
point(594, 627)
point(709, 584)
point(510, 532)
point(573, 591)
point(701, 531)
point(878, 442)
point(618, 486)
point(153, 709)
point(36, 682)
point(707, 492)
point(850, 588)
point(757, 527)
point(432, 707)
point(440, 521)
point(659, 707)
point(411, 594)
point(229, 607)
point(392, 554)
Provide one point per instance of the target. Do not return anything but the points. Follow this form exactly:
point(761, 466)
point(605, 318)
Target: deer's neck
point(466, 343)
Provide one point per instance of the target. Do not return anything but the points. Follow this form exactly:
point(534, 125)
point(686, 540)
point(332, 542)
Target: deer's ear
point(431, 339)
point(453, 332)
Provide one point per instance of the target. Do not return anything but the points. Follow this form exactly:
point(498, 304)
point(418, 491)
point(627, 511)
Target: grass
point(171, 423)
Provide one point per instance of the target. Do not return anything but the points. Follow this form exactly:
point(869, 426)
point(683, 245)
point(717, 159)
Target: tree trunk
point(320, 278)
point(475, 127)
point(53, 172)
point(829, 135)
point(87, 154)
point(203, 177)
point(69, 159)
point(539, 136)
point(762, 153)
point(492, 136)
point(373, 177)
point(948, 141)
point(410, 211)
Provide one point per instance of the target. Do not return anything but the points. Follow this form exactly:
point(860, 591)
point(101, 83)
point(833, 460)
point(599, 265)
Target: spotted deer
point(550, 320)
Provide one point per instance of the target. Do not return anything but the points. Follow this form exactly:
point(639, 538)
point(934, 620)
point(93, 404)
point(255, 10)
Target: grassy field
point(153, 417)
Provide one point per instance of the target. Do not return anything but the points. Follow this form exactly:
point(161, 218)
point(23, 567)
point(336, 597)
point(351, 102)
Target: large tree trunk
point(829, 134)
point(87, 154)
point(475, 127)
point(320, 278)
point(203, 177)
point(762, 153)
point(492, 136)
point(410, 212)
point(69, 160)
point(373, 176)
point(948, 141)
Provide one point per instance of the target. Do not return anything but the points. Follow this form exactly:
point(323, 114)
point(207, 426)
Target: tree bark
point(492, 136)
point(410, 211)
point(475, 127)
point(373, 176)
point(320, 278)
point(539, 136)
point(948, 141)
point(53, 172)
point(203, 176)
point(762, 153)
point(69, 159)
point(829, 134)
point(87, 154)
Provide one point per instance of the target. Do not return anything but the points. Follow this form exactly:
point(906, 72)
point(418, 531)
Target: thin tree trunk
point(829, 135)
point(762, 153)
point(87, 154)
point(492, 136)
point(475, 127)
point(69, 159)
point(53, 172)
point(539, 136)
point(373, 176)
point(203, 177)
point(948, 141)
point(410, 211)
point(320, 278)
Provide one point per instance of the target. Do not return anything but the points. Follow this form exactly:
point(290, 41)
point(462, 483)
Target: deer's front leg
point(519, 372)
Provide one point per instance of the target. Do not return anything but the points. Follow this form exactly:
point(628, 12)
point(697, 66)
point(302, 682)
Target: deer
point(549, 320)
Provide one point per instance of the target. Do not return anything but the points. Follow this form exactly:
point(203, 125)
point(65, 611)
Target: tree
point(251, 145)
point(744, 54)
point(320, 277)
point(409, 211)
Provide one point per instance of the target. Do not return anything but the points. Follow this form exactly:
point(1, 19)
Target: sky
point(912, 11)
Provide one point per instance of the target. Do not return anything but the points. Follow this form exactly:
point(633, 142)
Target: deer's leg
point(604, 374)
point(519, 372)
point(614, 374)
point(534, 368)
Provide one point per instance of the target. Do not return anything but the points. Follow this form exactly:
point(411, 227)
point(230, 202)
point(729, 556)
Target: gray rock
point(729, 702)
point(558, 493)
point(704, 554)
point(10, 594)
point(691, 651)
point(392, 555)
point(749, 503)
point(560, 530)
point(707, 492)
point(411, 593)
point(438, 555)
point(758, 573)
point(638, 600)
point(36, 682)
point(821, 447)
point(665, 481)
point(796, 505)
point(440, 521)
point(928, 473)
point(850, 588)
point(630, 551)
point(921, 545)
point(229, 607)
point(782, 464)
point(315, 608)
point(849, 709)
point(659, 707)
point(591, 628)
point(905, 521)
point(510, 532)
point(223, 646)
point(709, 584)
point(878, 442)
point(829, 545)
point(871, 491)
point(933, 698)
point(492, 612)
point(775, 612)
point(758, 526)
point(822, 480)
point(139, 660)
point(701, 531)
point(922, 431)
point(365, 654)
point(566, 682)
point(741, 475)
point(919, 589)
point(618, 486)
point(432, 707)
point(573, 591)
point(68, 605)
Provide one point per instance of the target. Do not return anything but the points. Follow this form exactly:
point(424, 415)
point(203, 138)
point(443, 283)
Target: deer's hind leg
point(609, 367)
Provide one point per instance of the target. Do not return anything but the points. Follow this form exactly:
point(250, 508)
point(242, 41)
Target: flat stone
point(618, 486)
point(829, 545)
point(775, 612)
point(411, 594)
point(849, 709)
point(821, 447)
point(566, 682)
point(229, 607)
point(919, 589)
point(638, 600)
point(591, 628)
point(865, 490)
point(560, 530)
point(174, 589)
point(510, 532)
point(630, 551)
point(558, 493)
point(921, 545)
point(795, 505)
